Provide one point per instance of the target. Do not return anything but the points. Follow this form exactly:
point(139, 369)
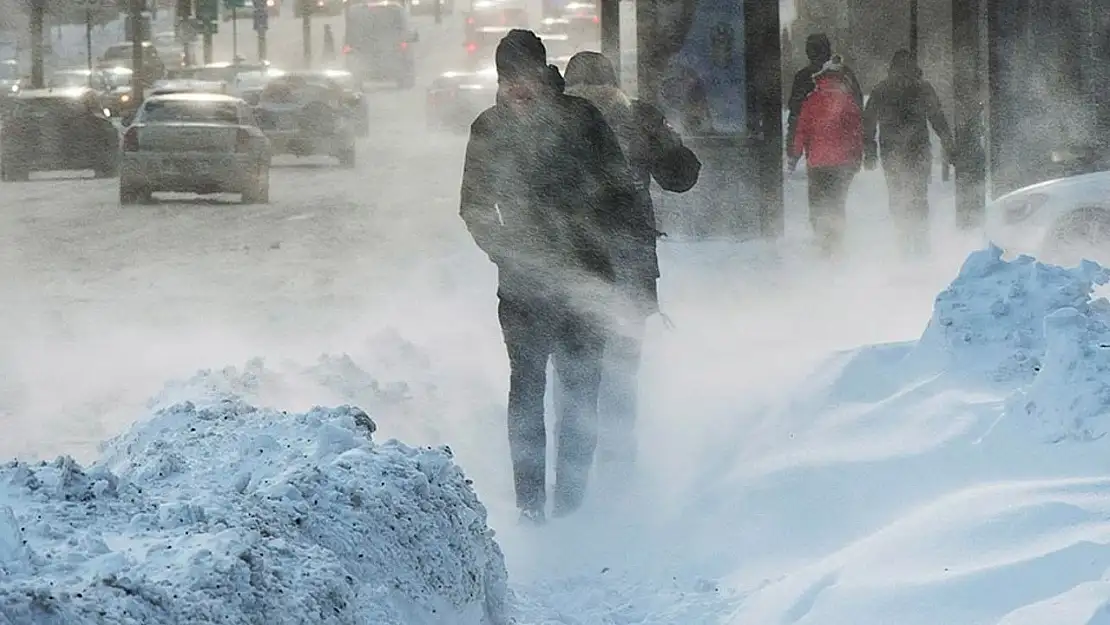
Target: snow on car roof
point(195, 97)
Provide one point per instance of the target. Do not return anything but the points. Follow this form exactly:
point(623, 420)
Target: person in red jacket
point(830, 136)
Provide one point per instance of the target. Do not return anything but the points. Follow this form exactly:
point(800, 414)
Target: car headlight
point(1022, 208)
point(125, 98)
point(15, 88)
point(471, 87)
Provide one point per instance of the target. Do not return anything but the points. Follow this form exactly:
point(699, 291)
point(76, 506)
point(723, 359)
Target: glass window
point(155, 111)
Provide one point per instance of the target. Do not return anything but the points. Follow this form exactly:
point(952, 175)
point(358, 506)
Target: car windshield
point(116, 80)
point(374, 23)
point(204, 111)
point(292, 91)
point(57, 109)
point(118, 53)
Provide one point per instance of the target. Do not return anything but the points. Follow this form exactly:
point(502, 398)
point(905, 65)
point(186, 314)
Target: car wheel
point(259, 190)
point(134, 194)
point(347, 158)
point(14, 174)
point(1082, 234)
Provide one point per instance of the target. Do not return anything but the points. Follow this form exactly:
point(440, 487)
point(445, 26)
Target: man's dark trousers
point(535, 331)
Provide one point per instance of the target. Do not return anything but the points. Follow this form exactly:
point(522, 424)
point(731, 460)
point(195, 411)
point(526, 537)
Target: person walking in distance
point(329, 44)
point(830, 136)
point(546, 190)
point(818, 52)
point(901, 109)
point(655, 151)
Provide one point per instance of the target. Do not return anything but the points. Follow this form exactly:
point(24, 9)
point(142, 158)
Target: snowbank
point(960, 478)
point(218, 511)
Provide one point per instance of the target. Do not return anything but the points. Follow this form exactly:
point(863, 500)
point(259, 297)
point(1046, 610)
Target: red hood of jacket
point(830, 126)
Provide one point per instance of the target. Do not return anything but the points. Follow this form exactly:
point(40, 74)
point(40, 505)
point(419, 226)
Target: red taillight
point(242, 141)
point(347, 49)
point(470, 20)
point(597, 20)
point(471, 47)
point(404, 45)
point(131, 140)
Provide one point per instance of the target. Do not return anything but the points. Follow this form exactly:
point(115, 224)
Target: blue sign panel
point(703, 80)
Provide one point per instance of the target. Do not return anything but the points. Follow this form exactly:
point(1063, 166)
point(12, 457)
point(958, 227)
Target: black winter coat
point(546, 196)
point(901, 109)
point(654, 151)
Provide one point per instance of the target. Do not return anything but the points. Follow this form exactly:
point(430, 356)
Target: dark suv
point(379, 43)
point(57, 130)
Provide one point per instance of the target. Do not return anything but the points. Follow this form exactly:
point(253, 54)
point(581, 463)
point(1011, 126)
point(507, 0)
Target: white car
point(1060, 221)
point(199, 143)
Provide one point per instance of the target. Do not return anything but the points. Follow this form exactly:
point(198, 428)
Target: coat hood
point(611, 101)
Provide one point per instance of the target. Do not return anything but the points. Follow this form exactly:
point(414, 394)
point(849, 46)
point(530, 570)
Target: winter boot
point(532, 517)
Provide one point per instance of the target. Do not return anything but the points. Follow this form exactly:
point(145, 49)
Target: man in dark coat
point(546, 191)
point(818, 51)
point(901, 109)
point(655, 151)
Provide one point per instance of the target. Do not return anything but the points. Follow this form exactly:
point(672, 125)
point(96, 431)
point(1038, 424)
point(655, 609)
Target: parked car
point(120, 55)
point(57, 130)
point(11, 82)
point(454, 99)
point(347, 90)
point(304, 118)
point(201, 143)
point(378, 43)
point(1059, 221)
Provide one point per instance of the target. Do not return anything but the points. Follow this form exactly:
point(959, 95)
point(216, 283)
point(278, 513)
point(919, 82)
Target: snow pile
point(991, 319)
point(217, 511)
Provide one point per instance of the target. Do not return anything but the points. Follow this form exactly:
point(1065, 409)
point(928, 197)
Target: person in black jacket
point(546, 191)
point(901, 109)
point(819, 51)
point(654, 150)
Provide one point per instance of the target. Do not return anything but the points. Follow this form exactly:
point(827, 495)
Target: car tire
point(130, 195)
point(347, 158)
point(259, 191)
point(14, 174)
point(1083, 234)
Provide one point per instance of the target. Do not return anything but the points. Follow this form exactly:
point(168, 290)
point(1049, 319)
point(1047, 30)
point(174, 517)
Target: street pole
point(438, 11)
point(968, 87)
point(38, 9)
point(234, 33)
point(306, 36)
point(137, 78)
point(914, 29)
point(262, 44)
point(88, 43)
point(611, 33)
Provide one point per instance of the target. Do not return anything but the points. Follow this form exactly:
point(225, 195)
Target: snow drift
point(960, 478)
point(218, 511)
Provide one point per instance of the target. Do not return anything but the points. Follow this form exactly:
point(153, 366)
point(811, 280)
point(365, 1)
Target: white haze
point(102, 305)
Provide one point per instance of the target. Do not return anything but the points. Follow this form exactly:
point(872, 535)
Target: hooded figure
point(546, 192)
point(818, 52)
point(830, 136)
point(901, 109)
point(655, 151)
point(329, 43)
